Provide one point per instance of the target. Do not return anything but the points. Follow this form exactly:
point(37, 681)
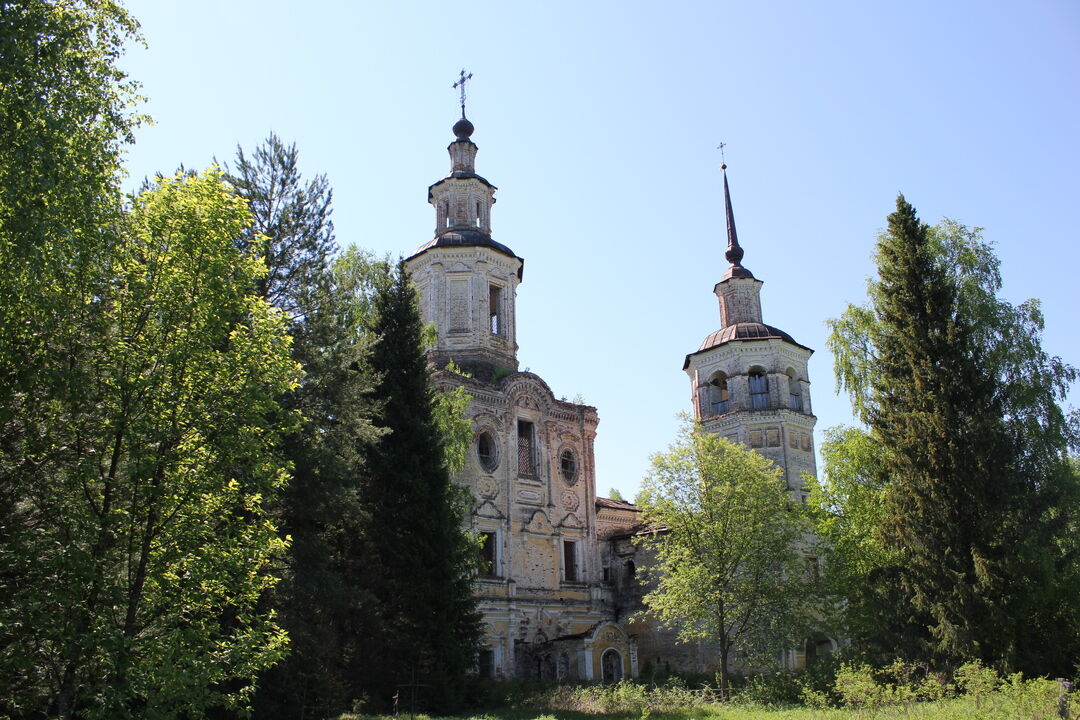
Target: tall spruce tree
point(323, 600)
point(955, 387)
point(429, 639)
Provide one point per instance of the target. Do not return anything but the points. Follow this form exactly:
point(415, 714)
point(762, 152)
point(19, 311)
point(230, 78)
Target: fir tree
point(956, 389)
point(323, 600)
point(429, 639)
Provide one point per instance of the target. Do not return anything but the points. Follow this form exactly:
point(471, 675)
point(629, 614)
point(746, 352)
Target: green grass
point(978, 694)
point(997, 707)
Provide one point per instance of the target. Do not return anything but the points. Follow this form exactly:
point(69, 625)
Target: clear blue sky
point(598, 121)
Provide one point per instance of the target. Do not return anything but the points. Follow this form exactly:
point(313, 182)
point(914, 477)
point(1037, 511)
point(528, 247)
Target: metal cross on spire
point(723, 162)
point(460, 85)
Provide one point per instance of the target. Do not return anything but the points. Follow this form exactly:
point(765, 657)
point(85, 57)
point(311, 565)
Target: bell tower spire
point(748, 379)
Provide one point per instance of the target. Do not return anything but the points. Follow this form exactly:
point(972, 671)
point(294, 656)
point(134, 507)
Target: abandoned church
point(559, 588)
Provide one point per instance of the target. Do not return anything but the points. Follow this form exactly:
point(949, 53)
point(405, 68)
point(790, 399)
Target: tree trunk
point(724, 685)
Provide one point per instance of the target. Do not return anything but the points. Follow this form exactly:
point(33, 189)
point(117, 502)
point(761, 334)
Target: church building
point(558, 584)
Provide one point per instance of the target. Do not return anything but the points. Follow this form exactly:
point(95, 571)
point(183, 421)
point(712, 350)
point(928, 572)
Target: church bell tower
point(749, 380)
point(467, 281)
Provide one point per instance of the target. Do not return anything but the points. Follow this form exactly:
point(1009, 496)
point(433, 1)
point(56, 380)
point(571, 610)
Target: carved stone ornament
point(487, 488)
point(570, 501)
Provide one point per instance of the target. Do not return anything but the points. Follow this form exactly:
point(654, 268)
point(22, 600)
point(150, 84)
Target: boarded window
point(759, 391)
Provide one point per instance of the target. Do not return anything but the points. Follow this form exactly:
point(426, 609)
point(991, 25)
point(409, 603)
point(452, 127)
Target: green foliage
point(727, 566)
point(624, 696)
point(963, 403)
point(431, 625)
point(292, 218)
point(324, 601)
point(614, 494)
point(860, 571)
point(454, 427)
point(142, 546)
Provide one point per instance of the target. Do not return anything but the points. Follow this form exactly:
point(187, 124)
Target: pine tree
point(429, 639)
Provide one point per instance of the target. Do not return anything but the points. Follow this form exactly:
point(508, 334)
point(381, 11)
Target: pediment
point(570, 520)
point(539, 524)
point(487, 509)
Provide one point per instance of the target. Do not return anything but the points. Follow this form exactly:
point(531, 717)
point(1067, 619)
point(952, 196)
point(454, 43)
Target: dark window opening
point(568, 465)
point(719, 396)
point(485, 663)
point(487, 555)
point(495, 321)
point(526, 457)
point(569, 548)
point(486, 451)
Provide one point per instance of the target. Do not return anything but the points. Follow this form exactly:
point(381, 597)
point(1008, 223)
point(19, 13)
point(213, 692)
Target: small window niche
point(570, 561)
point(495, 313)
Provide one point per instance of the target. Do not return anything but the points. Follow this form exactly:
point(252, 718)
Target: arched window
point(794, 391)
point(487, 452)
point(611, 666)
point(719, 397)
point(568, 466)
point(759, 389)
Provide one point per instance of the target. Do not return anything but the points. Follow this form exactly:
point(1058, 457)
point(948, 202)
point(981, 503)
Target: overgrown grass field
point(859, 696)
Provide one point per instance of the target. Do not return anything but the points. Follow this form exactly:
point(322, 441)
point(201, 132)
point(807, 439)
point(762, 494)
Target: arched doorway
point(818, 646)
point(611, 666)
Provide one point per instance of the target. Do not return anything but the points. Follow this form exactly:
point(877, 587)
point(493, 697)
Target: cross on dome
point(460, 85)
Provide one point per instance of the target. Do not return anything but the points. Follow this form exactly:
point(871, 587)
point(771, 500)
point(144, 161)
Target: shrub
point(976, 681)
point(780, 688)
point(858, 688)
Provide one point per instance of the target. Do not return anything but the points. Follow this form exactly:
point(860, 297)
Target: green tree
point(614, 494)
point(429, 638)
point(860, 575)
point(145, 543)
point(953, 384)
point(728, 566)
point(324, 601)
point(294, 218)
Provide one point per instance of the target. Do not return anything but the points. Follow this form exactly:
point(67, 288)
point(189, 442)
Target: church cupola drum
point(467, 281)
point(749, 379)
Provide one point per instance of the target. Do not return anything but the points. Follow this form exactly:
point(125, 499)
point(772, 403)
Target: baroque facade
point(559, 587)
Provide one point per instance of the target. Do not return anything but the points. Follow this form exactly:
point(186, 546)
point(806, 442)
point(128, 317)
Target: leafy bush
point(858, 687)
point(779, 688)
